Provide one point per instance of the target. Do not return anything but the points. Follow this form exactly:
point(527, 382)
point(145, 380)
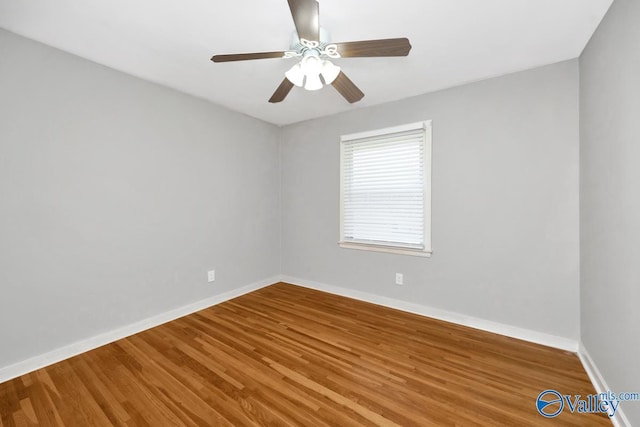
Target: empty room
point(319, 213)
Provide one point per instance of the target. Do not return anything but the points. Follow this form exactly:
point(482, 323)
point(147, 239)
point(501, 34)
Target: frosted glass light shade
point(313, 82)
point(295, 75)
point(329, 71)
point(311, 65)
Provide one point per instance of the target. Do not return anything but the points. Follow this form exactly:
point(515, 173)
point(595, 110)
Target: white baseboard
point(619, 419)
point(448, 316)
point(13, 371)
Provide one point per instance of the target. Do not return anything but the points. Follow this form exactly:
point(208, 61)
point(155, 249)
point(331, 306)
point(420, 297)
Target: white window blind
point(385, 188)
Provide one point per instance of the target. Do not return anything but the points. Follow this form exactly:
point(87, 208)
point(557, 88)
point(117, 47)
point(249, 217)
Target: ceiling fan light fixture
point(307, 73)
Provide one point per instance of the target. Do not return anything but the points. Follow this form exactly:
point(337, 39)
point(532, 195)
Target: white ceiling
point(170, 42)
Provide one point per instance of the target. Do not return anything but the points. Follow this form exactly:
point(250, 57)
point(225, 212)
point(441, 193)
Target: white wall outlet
point(399, 279)
point(211, 276)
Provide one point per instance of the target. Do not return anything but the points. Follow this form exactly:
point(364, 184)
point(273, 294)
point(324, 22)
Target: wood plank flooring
point(290, 356)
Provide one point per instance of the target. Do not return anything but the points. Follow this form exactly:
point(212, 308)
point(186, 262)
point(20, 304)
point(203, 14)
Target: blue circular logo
point(550, 403)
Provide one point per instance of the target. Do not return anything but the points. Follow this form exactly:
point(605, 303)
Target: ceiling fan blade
point(306, 17)
point(246, 56)
point(371, 48)
point(347, 88)
point(281, 93)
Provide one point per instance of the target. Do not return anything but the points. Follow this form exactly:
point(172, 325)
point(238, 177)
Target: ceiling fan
point(311, 44)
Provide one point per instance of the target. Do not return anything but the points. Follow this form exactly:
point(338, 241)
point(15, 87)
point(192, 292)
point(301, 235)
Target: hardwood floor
point(286, 355)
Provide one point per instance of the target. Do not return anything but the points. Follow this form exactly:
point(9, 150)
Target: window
point(385, 190)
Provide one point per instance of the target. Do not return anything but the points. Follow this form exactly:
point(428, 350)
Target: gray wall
point(117, 196)
point(505, 202)
point(610, 199)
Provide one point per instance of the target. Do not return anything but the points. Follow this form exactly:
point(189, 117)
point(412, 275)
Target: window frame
point(426, 127)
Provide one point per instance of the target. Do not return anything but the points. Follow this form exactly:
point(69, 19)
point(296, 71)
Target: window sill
point(387, 249)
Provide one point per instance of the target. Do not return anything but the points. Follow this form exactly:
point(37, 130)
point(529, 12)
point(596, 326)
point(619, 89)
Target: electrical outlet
point(399, 279)
point(211, 276)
